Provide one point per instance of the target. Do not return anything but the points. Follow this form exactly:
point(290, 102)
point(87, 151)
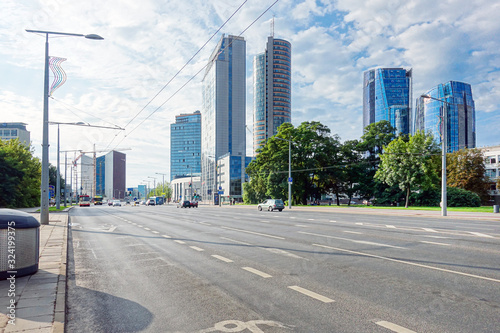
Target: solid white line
point(257, 272)
point(179, 241)
point(232, 240)
point(353, 232)
point(439, 237)
point(480, 234)
point(352, 240)
point(429, 230)
point(408, 263)
point(312, 294)
point(221, 258)
point(435, 243)
point(166, 236)
point(254, 233)
point(197, 248)
point(155, 232)
point(393, 327)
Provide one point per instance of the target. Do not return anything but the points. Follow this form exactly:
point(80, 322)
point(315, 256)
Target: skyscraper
point(223, 112)
point(387, 95)
point(185, 145)
point(272, 90)
point(460, 114)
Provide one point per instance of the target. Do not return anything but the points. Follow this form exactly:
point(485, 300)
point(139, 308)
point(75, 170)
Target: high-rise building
point(387, 95)
point(9, 131)
point(185, 145)
point(460, 114)
point(110, 171)
point(223, 113)
point(272, 90)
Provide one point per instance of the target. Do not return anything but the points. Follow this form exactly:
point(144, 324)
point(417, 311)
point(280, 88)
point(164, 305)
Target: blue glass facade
point(460, 114)
point(272, 90)
point(185, 145)
point(100, 174)
point(387, 95)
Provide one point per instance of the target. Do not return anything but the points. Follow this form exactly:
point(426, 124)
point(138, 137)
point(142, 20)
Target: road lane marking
point(429, 230)
point(252, 232)
point(232, 240)
point(359, 223)
point(439, 237)
point(264, 221)
point(390, 226)
point(393, 327)
point(140, 226)
point(197, 248)
point(147, 229)
point(302, 226)
point(204, 223)
point(480, 234)
point(179, 241)
point(435, 243)
point(332, 221)
point(166, 236)
point(310, 219)
point(155, 232)
point(353, 232)
point(312, 294)
point(257, 272)
point(408, 263)
point(282, 252)
point(221, 258)
point(352, 240)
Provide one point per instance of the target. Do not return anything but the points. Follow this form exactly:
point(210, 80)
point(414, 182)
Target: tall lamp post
point(154, 183)
point(58, 183)
point(147, 188)
point(444, 149)
point(44, 199)
point(163, 181)
point(289, 171)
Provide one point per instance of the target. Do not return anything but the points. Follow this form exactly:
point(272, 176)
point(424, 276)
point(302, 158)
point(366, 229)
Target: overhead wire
point(197, 73)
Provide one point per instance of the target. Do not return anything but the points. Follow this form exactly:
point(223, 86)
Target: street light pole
point(58, 182)
point(44, 197)
point(444, 149)
point(289, 171)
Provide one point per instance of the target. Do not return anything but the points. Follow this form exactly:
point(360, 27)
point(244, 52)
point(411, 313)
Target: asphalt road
point(234, 269)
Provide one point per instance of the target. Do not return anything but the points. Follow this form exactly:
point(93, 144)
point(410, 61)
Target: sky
point(129, 78)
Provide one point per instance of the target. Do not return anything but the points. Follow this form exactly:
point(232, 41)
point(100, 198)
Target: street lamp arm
point(89, 36)
point(436, 99)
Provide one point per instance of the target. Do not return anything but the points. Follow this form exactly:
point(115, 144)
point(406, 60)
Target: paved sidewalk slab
point(40, 298)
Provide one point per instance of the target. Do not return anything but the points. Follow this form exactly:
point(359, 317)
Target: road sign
point(290, 180)
point(221, 192)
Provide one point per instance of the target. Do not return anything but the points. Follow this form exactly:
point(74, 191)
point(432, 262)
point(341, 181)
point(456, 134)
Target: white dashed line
point(352, 240)
point(179, 241)
point(221, 258)
point(166, 236)
point(140, 226)
point(257, 272)
point(390, 226)
point(480, 234)
point(197, 248)
point(429, 229)
point(155, 232)
point(353, 232)
point(393, 327)
point(253, 233)
point(359, 223)
point(435, 243)
point(205, 223)
point(312, 294)
point(147, 229)
point(302, 226)
point(235, 241)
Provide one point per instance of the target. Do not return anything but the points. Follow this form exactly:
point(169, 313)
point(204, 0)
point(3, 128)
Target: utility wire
point(197, 73)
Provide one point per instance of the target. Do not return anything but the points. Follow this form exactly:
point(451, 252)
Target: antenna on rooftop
point(272, 27)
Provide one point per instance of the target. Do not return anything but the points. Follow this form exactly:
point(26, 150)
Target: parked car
point(272, 204)
point(117, 203)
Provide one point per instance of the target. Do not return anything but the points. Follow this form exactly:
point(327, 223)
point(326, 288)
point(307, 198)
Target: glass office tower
point(460, 114)
point(272, 90)
point(223, 112)
point(185, 145)
point(387, 95)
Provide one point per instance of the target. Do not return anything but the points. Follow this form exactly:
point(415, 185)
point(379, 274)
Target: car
point(110, 202)
point(185, 204)
point(116, 203)
point(194, 204)
point(272, 204)
point(150, 202)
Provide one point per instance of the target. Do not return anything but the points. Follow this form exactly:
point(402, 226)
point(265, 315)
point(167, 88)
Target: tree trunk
point(407, 196)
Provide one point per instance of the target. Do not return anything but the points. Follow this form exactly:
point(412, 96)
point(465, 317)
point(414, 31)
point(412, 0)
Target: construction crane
point(94, 164)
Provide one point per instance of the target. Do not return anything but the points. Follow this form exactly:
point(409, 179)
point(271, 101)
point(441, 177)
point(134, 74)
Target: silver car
point(272, 204)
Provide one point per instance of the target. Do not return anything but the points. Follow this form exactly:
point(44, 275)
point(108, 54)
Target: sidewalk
point(40, 298)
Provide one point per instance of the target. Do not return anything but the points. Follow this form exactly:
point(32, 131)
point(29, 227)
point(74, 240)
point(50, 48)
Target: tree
point(53, 178)
point(20, 175)
point(352, 171)
point(466, 170)
point(409, 164)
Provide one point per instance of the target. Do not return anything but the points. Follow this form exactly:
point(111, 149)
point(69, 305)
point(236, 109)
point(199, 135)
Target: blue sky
point(147, 42)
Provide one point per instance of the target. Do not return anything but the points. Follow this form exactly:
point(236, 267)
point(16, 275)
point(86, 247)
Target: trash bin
point(19, 243)
point(495, 208)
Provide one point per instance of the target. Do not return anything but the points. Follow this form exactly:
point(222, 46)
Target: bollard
point(495, 208)
point(19, 243)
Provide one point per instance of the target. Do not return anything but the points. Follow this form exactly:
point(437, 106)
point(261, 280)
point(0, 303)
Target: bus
point(98, 200)
point(84, 200)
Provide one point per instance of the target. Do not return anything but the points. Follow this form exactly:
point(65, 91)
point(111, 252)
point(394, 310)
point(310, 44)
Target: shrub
point(458, 197)
point(429, 198)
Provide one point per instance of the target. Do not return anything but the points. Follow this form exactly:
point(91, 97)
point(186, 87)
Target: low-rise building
point(10, 131)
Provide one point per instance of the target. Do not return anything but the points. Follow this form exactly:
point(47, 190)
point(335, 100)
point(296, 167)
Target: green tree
point(409, 164)
point(353, 169)
point(466, 170)
point(53, 179)
point(20, 174)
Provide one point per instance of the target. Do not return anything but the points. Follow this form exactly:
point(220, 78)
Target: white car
point(116, 203)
